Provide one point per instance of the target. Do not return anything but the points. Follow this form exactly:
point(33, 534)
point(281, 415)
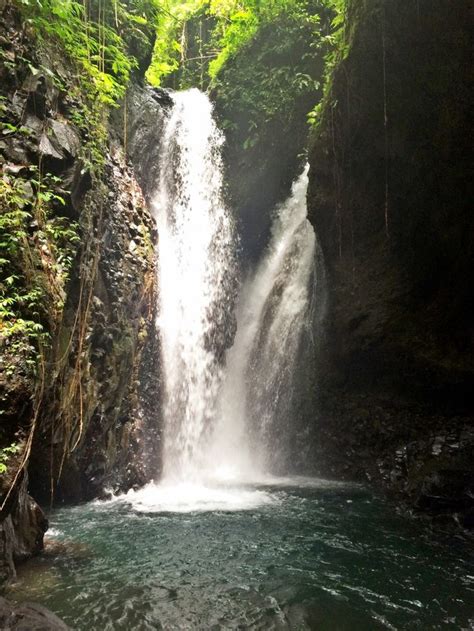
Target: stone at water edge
point(28, 617)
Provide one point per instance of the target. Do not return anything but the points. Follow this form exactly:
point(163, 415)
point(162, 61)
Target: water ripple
point(250, 558)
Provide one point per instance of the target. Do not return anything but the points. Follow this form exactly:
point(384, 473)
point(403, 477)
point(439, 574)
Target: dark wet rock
point(22, 528)
point(47, 148)
point(145, 113)
point(119, 412)
point(101, 390)
point(395, 371)
point(16, 151)
point(35, 88)
point(28, 617)
point(447, 490)
point(33, 123)
point(66, 137)
point(163, 97)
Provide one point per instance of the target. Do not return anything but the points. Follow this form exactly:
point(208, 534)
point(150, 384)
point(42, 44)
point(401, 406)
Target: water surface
point(302, 554)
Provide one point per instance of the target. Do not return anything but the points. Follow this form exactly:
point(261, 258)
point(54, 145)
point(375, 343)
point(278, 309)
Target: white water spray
point(196, 270)
point(219, 416)
point(274, 308)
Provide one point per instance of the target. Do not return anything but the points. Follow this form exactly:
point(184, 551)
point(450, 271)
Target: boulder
point(21, 531)
point(28, 617)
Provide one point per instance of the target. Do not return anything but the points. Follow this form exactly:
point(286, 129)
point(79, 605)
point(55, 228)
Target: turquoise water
point(305, 555)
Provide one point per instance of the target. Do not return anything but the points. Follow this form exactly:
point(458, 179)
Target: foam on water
point(224, 491)
point(188, 497)
point(54, 532)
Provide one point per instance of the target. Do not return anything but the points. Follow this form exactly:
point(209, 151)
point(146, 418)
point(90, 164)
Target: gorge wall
point(83, 413)
point(389, 199)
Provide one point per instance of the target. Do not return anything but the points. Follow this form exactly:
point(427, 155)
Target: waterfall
point(226, 399)
point(196, 275)
point(274, 310)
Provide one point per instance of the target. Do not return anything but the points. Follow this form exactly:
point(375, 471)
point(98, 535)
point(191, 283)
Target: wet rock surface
point(146, 109)
point(28, 617)
point(97, 398)
point(111, 416)
point(388, 200)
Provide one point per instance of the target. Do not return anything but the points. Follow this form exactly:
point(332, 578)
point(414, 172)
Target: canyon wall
point(81, 397)
point(390, 201)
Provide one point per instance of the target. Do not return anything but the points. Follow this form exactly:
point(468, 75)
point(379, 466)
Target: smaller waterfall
point(274, 309)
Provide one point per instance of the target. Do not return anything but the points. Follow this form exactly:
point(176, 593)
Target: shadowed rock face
point(118, 373)
point(389, 191)
point(28, 617)
point(22, 526)
point(98, 396)
point(27, 101)
point(145, 111)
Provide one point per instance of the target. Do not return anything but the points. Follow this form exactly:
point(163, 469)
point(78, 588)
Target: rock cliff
point(74, 398)
point(389, 199)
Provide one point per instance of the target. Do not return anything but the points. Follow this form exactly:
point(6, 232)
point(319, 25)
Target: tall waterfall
point(222, 409)
point(196, 274)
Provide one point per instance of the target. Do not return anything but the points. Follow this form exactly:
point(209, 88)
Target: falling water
point(196, 274)
point(273, 312)
point(222, 410)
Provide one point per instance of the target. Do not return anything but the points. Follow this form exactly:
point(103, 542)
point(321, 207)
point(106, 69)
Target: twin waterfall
point(229, 348)
point(196, 274)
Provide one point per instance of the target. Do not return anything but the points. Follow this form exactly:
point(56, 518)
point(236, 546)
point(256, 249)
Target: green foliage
point(105, 41)
point(238, 29)
point(259, 57)
point(5, 454)
point(37, 248)
point(103, 36)
point(90, 118)
point(200, 38)
point(242, 24)
point(275, 74)
point(169, 50)
point(338, 49)
point(225, 28)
